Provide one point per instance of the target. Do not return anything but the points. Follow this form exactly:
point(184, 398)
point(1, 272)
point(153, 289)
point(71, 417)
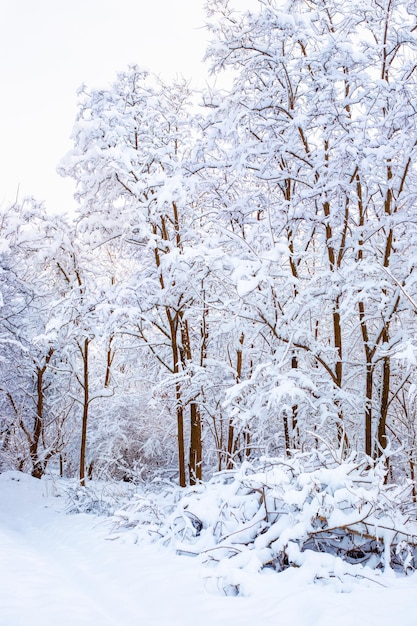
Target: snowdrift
point(336, 520)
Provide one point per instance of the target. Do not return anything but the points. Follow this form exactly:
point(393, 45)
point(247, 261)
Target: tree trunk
point(196, 443)
point(232, 437)
point(38, 464)
point(180, 435)
point(196, 448)
point(109, 362)
point(86, 402)
point(382, 424)
point(173, 320)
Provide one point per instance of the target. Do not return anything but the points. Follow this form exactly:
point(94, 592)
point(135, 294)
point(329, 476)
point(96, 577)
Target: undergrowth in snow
point(334, 520)
point(60, 568)
point(99, 498)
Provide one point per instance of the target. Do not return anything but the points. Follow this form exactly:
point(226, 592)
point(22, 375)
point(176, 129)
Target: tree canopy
point(239, 280)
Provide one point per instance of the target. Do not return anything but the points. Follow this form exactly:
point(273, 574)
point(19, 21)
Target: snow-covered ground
point(59, 568)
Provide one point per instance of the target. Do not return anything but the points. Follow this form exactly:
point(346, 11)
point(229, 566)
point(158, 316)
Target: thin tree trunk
point(179, 405)
point(334, 264)
point(413, 465)
point(196, 448)
point(196, 443)
point(180, 435)
point(109, 362)
point(369, 368)
point(173, 329)
point(232, 437)
point(295, 439)
point(38, 465)
point(382, 424)
point(86, 402)
point(368, 407)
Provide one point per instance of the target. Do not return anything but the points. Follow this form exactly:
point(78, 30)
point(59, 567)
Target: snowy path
point(60, 569)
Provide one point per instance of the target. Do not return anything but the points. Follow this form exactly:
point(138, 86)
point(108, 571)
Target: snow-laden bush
point(286, 512)
point(97, 498)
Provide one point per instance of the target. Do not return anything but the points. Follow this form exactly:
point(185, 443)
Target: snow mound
point(338, 522)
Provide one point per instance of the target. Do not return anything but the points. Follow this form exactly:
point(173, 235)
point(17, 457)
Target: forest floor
point(61, 568)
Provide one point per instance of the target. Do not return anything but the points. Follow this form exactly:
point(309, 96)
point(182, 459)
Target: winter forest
point(234, 303)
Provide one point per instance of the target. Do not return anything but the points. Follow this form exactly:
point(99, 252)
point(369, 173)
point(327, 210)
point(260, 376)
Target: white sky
point(49, 47)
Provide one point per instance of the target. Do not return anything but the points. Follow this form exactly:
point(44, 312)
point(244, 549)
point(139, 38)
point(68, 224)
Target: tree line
point(239, 280)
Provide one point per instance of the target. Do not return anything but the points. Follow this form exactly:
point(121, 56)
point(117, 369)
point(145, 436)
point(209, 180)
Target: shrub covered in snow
point(98, 498)
point(343, 517)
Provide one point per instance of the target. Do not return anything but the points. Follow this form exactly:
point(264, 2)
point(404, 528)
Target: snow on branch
point(334, 519)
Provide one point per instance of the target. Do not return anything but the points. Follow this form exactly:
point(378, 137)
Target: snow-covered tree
point(132, 143)
point(34, 377)
point(316, 140)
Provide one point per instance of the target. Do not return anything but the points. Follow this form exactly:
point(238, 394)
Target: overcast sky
point(50, 47)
